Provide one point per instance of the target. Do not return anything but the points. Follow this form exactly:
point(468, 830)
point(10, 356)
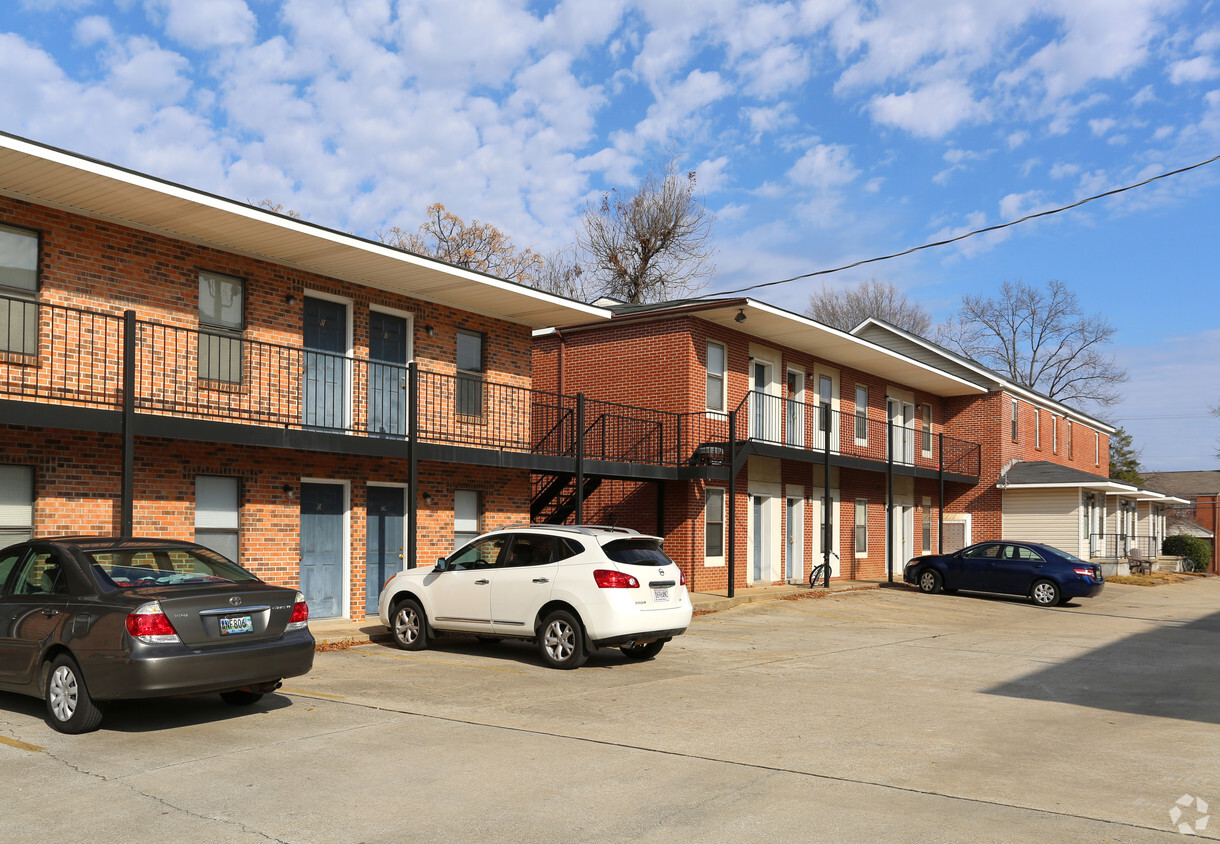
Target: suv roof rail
point(587, 530)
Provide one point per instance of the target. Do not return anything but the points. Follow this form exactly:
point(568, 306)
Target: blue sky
point(821, 132)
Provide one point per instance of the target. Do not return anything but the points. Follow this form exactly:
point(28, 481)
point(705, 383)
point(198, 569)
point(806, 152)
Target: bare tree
point(561, 273)
point(474, 246)
point(272, 205)
point(846, 308)
point(1041, 339)
point(651, 245)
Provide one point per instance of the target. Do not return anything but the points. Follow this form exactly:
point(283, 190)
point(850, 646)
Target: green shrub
point(1197, 552)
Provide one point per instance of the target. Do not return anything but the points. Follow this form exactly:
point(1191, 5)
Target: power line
point(974, 233)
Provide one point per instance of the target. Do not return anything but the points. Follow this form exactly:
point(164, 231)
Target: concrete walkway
point(336, 631)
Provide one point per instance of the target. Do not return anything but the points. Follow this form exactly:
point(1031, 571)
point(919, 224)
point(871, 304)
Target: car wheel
point(1045, 593)
point(930, 581)
point(69, 707)
point(561, 641)
point(409, 626)
point(646, 650)
point(241, 697)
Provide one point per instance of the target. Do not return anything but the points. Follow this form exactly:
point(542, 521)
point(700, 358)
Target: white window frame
point(714, 560)
point(462, 523)
point(861, 521)
point(1096, 448)
point(221, 345)
point(1016, 423)
point(1054, 434)
point(861, 415)
point(926, 435)
point(215, 521)
point(721, 376)
point(1037, 428)
point(21, 298)
point(16, 504)
point(926, 525)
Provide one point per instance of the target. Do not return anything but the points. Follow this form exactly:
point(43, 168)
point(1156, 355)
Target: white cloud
point(824, 167)
point(766, 119)
point(216, 23)
point(931, 112)
point(1198, 69)
point(1100, 126)
point(712, 176)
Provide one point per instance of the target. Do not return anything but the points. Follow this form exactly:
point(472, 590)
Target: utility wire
point(996, 227)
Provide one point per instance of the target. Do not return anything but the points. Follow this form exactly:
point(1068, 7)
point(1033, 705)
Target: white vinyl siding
point(1044, 515)
point(16, 504)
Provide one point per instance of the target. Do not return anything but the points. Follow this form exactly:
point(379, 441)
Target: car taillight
point(148, 624)
point(681, 577)
point(607, 579)
point(1086, 572)
point(300, 613)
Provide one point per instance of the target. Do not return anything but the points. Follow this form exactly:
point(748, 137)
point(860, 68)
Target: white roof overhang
point(47, 176)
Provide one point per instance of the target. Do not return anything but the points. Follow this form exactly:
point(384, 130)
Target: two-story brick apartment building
point(770, 405)
point(917, 443)
point(319, 406)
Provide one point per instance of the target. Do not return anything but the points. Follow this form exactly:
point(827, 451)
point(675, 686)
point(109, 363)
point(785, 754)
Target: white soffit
point(46, 176)
point(782, 328)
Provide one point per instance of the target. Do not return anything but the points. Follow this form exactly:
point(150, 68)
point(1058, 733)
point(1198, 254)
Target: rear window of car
point(124, 569)
point(637, 552)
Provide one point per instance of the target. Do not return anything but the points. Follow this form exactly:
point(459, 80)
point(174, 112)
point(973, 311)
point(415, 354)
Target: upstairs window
point(18, 284)
point(861, 415)
point(1014, 420)
point(715, 377)
point(927, 430)
point(221, 322)
point(1069, 436)
point(470, 373)
point(1037, 428)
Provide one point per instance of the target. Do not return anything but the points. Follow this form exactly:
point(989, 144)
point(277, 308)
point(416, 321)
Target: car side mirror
point(440, 564)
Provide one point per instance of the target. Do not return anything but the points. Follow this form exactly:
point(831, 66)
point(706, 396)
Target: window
point(41, 575)
point(927, 430)
point(1069, 436)
point(713, 517)
point(861, 415)
point(927, 526)
point(480, 555)
point(1037, 427)
point(221, 321)
point(470, 373)
point(715, 376)
point(1096, 448)
point(1054, 434)
point(16, 504)
point(218, 514)
point(465, 516)
point(861, 526)
point(1014, 420)
point(18, 284)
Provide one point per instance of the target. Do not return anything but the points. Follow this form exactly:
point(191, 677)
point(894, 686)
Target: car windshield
point(124, 569)
point(637, 552)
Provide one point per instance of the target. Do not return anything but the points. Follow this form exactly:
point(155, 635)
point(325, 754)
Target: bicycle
point(821, 572)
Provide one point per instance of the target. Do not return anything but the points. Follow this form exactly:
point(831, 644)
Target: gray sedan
point(84, 620)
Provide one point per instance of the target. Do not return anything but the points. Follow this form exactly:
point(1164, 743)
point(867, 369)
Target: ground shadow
point(153, 714)
point(1170, 671)
point(514, 650)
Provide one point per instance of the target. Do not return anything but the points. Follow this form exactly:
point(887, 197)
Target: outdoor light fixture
point(288, 490)
point(429, 330)
point(428, 498)
point(741, 315)
point(291, 299)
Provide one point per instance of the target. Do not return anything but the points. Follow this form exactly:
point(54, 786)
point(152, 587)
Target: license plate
point(231, 624)
point(660, 595)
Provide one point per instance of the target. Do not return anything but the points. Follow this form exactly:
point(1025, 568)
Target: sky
point(821, 133)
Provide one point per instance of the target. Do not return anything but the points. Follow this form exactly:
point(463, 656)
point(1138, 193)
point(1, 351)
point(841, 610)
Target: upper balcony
point(69, 367)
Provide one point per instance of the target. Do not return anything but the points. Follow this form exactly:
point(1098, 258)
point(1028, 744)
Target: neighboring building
point(177, 364)
point(916, 440)
point(1199, 513)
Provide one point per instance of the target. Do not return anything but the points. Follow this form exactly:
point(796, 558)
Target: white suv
point(570, 589)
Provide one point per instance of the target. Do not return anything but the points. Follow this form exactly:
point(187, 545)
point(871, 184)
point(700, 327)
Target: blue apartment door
point(387, 374)
point(384, 540)
point(325, 340)
point(322, 548)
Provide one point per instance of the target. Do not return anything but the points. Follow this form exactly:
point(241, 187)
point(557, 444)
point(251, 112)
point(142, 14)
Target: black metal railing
point(54, 353)
point(1116, 546)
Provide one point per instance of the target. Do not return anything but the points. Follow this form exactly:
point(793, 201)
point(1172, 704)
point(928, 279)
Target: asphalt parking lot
point(878, 715)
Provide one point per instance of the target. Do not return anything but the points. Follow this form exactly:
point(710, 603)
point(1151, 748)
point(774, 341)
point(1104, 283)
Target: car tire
point(561, 640)
point(645, 651)
point(241, 697)
point(69, 707)
point(931, 582)
point(1045, 593)
point(409, 625)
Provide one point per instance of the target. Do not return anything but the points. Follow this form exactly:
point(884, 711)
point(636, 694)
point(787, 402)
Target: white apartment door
point(904, 536)
point(795, 402)
point(764, 410)
point(902, 430)
point(794, 536)
point(761, 541)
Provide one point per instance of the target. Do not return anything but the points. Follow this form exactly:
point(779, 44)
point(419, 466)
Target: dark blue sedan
point(1045, 574)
